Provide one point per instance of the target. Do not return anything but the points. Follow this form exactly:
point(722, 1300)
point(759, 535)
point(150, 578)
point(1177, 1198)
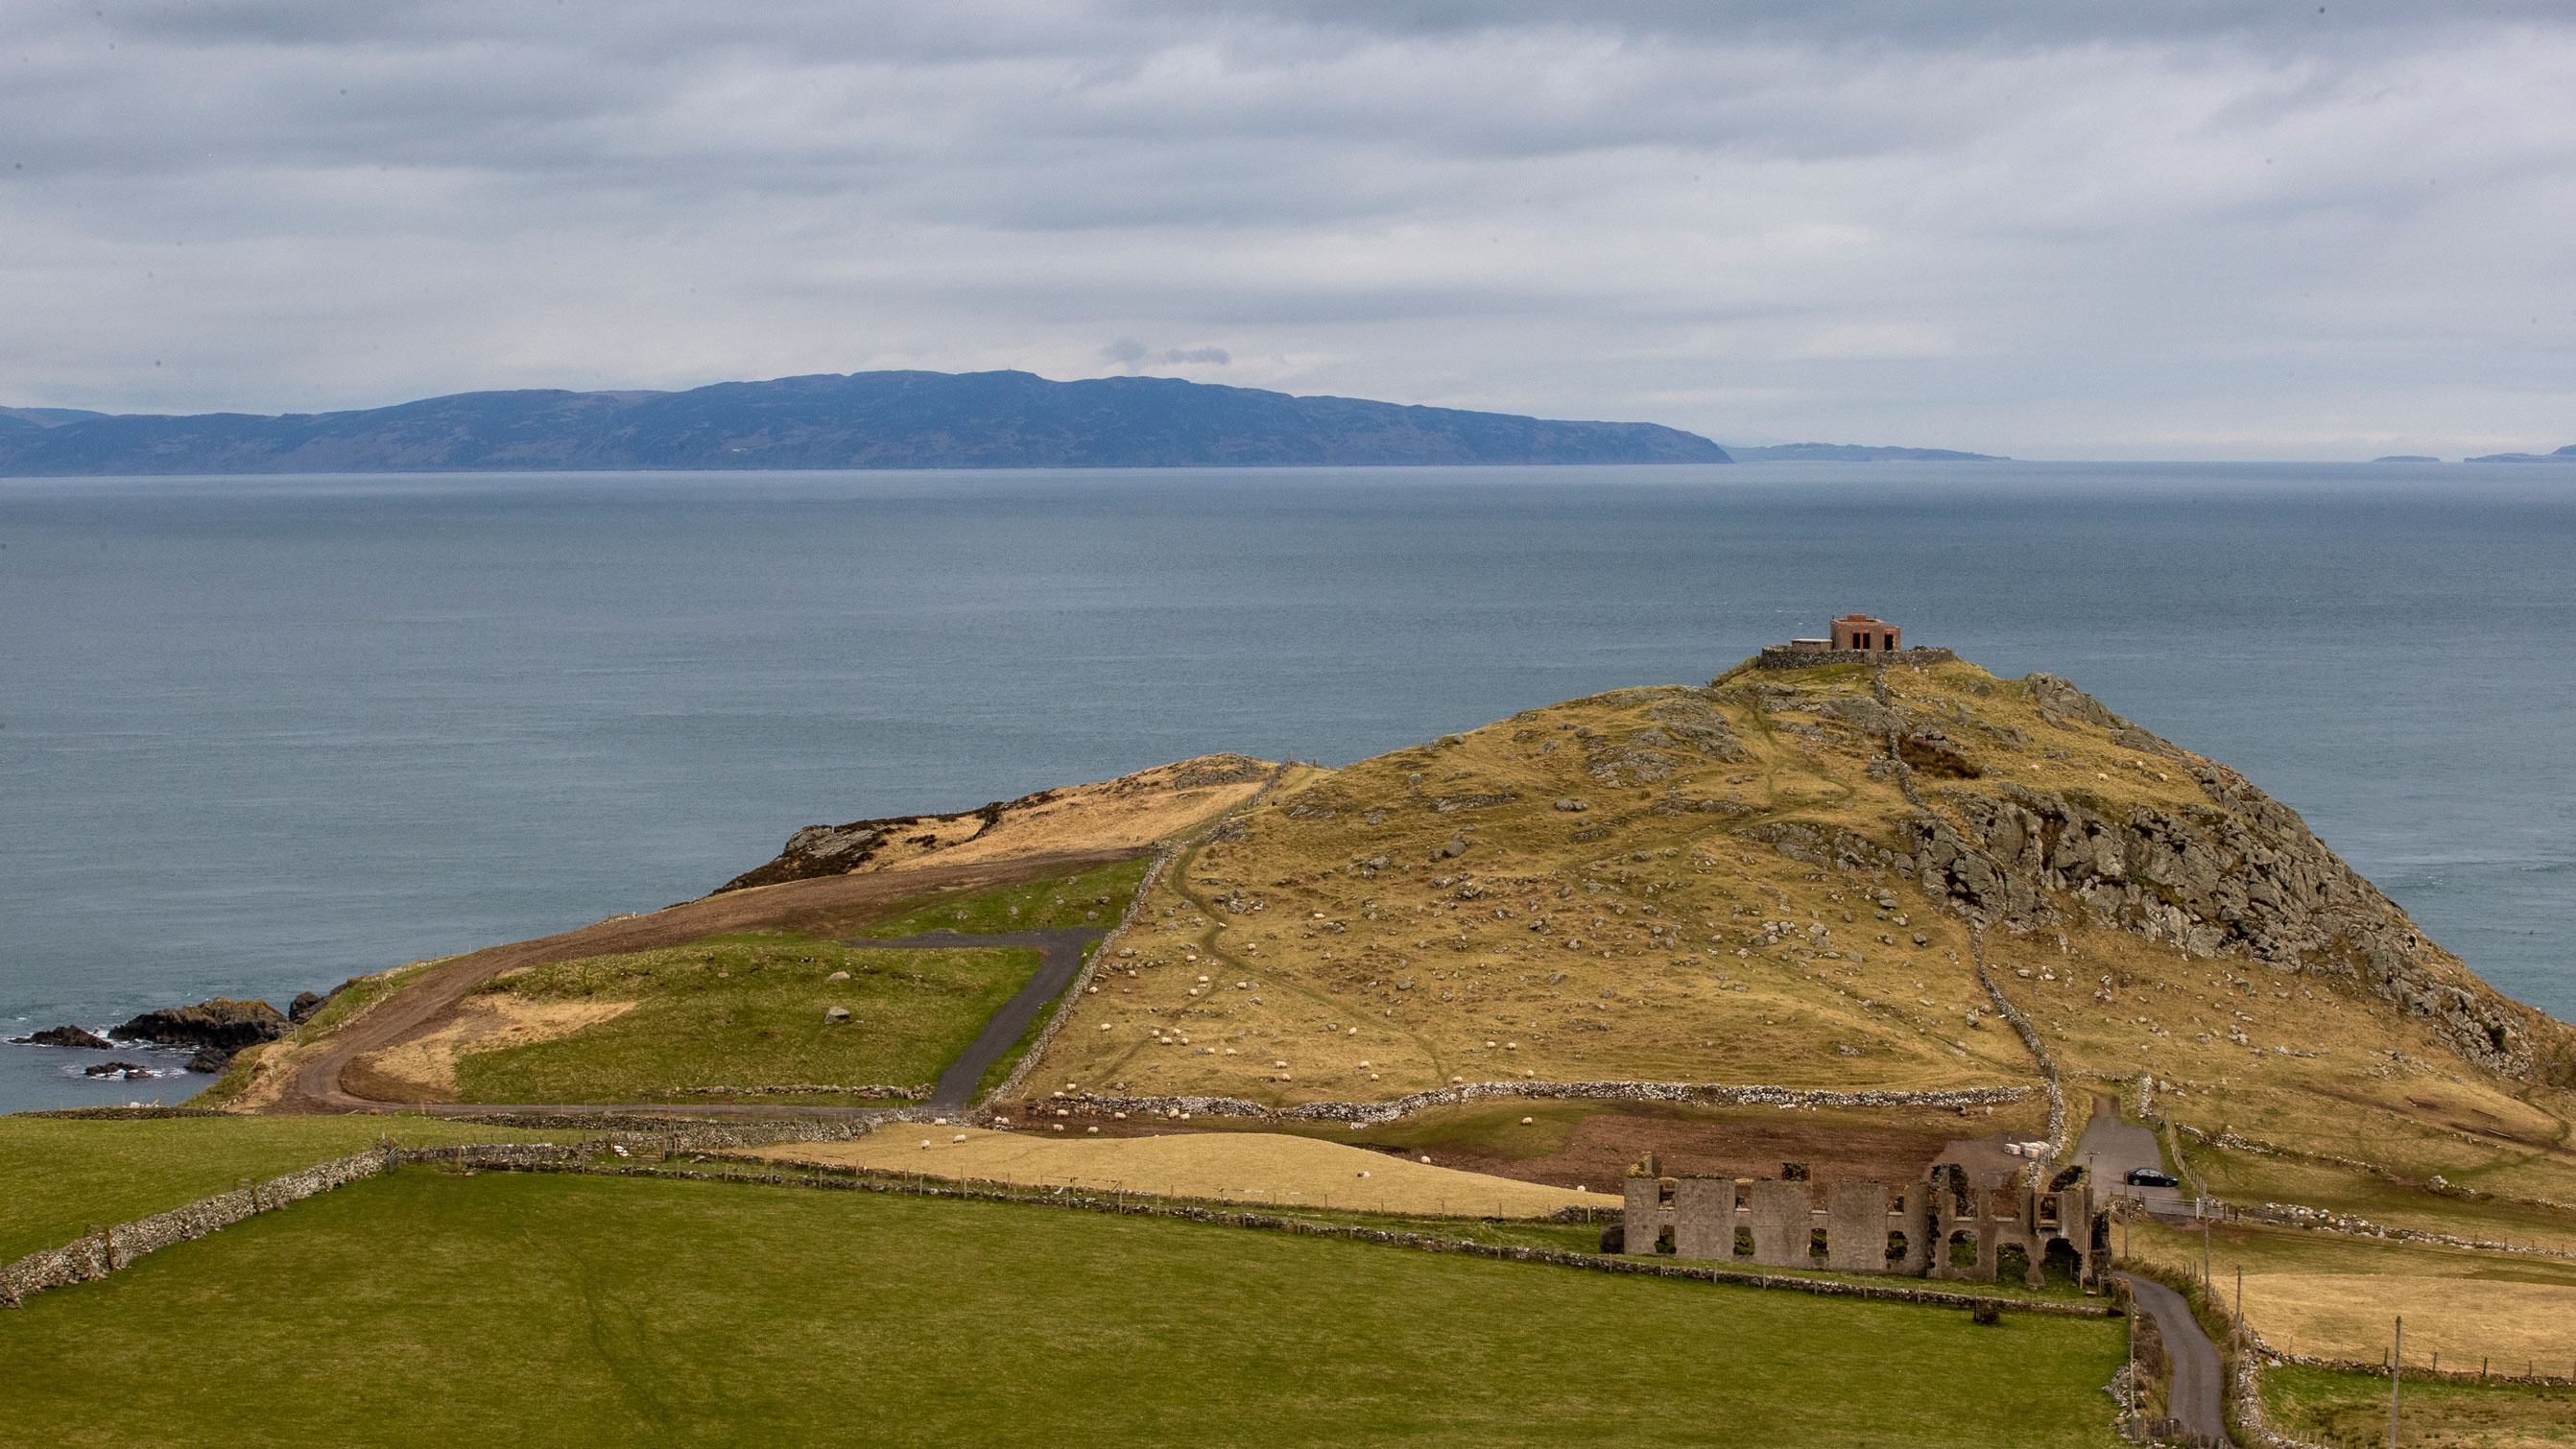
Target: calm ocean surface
point(257, 735)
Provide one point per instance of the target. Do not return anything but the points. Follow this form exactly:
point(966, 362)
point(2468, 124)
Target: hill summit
point(862, 420)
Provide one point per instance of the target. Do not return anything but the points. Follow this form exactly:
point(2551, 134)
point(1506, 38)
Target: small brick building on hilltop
point(1854, 639)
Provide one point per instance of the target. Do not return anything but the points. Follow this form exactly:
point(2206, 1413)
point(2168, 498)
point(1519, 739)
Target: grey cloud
point(2084, 227)
point(1127, 352)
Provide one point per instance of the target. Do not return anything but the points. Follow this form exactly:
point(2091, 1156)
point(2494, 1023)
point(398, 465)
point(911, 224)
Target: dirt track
point(831, 905)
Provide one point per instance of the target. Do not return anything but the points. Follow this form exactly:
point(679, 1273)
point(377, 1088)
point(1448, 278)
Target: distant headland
point(2563, 455)
point(1856, 453)
point(862, 420)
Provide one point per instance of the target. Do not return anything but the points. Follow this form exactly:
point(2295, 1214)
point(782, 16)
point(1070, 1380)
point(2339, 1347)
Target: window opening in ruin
point(2061, 1263)
point(1816, 1243)
point(1963, 1250)
point(1664, 1242)
point(2012, 1264)
point(1896, 1247)
point(1744, 1242)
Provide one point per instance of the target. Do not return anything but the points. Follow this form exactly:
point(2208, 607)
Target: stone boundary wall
point(116, 1247)
point(2321, 1220)
point(810, 1089)
point(1065, 1004)
point(1702, 1095)
point(2060, 1141)
point(2233, 1143)
point(2059, 1132)
point(111, 1248)
point(2244, 1355)
point(1781, 656)
point(1423, 1242)
point(1100, 949)
point(123, 1114)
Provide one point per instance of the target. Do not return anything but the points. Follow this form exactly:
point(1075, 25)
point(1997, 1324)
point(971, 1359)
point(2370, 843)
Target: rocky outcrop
point(306, 1003)
point(2240, 876)
point(2243, 876)
point(1690, 718)
point(2060, 701)
point(65, 1036)
point(222, 1023)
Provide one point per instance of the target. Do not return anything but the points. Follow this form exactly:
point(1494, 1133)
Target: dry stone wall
point(114, 1247)
point(109, 1249)
point(1100, 952)
point(1696, 1094)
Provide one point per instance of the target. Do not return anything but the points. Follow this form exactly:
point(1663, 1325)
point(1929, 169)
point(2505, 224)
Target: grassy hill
point(1739, 884)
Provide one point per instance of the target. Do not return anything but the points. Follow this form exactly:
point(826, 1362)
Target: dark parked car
point(2149, 1177)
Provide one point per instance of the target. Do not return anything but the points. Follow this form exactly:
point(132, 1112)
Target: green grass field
point(62, 1174)
point(747, 1011)
point(430, 1308)
point(1094, 897)
point(2352, 1409)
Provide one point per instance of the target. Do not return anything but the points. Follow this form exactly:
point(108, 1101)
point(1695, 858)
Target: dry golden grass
point(427, 1063)
point(1337, 938)
point(2333, 1296)
point(1128, 813)
point(1233, 1166)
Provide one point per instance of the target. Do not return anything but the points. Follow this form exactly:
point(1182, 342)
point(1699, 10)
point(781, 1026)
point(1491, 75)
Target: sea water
point(260, 734)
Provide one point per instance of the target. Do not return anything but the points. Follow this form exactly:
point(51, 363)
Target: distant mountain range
point(2563, 455)
point(1854, 453)
point(863, 420)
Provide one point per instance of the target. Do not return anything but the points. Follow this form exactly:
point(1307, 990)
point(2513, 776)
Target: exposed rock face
point(66, 1036)
point(222, 1023)
point(2242, 876)
point(1703, 728)
point(211, 1060)
point(1226, 769)
point(819, 850)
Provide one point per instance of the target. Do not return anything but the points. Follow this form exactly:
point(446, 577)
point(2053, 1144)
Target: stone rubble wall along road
point(1703, 1095)
point(1072, 998)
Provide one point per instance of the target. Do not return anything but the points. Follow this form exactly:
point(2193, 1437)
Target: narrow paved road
point(2197, 1394)
point(2113, 1147)
point(1059, 963)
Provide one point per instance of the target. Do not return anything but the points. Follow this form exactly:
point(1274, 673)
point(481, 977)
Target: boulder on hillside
point(222, 1023)
point(66, 1036)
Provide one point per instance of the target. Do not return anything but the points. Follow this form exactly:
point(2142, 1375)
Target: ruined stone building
point(1950, 1225)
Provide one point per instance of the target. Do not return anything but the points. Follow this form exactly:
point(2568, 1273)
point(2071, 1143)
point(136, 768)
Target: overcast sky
point(2060, 229)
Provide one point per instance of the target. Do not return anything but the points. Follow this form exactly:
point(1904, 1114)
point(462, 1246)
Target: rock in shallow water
point(65, 1036)
point(222, 1023)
